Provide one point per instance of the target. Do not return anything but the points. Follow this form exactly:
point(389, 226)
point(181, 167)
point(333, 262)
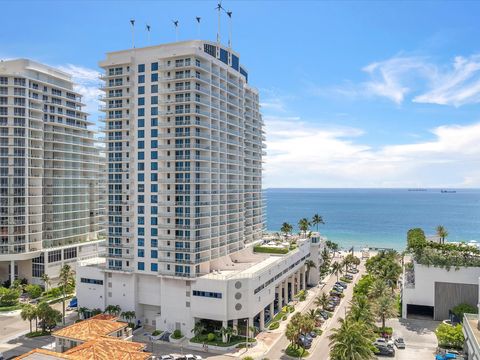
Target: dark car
point(385, 350)
point(324, 314)
point(348, 276)
point(353, 270)
point(342, 284)
point(335, 299)
point(335, 293)
point(312, 334)
point(304, 342)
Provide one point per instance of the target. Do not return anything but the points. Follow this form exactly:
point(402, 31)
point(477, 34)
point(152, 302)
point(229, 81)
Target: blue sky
point(354, 94)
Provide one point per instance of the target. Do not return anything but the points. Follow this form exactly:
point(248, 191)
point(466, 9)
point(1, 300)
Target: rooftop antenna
point(229, 13)
point(148, 34)
point(219, 8)
point(132, 22)
point(198, 18)
point(175, 22)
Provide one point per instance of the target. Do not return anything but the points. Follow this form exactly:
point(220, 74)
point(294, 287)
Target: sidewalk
point(268, 338)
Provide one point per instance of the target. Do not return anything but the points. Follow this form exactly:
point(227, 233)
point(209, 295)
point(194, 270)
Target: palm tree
point(46, 281)
point(385, 308)
point(312, 314)
point(114, 310)
point(198, 328)
point(336, 269)
point(351, 341)
point(292, 332)
point(82, 312)
point(346, 262)
point(66, 280)
point(29, 312)
point(321, 300)
point(378, 289)
point(332, 246)
point(316, 220)
point(230, 331)
point(309, 264)
point(303, 225)
point(286, 229)
point(361, 310)
point(442, 233)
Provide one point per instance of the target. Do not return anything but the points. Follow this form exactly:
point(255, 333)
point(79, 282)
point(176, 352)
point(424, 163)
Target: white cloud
point(304, 155)
point(87, 84)
point(455, 84)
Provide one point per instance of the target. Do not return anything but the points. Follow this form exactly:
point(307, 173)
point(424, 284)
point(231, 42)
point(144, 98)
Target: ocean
point(377, 217)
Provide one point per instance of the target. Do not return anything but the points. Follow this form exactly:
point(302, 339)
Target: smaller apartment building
point(433, 291)
point(242, 288)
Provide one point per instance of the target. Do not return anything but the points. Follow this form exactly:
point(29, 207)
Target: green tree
point(9, 296)
point(322, 301)
point(198, 328)
point(113, 310)
point(33, 291)
point(82, 312)
point(450, 336)
point(442, 233)
point(361, 310)
point(385, 307)
point(461, 309)
point(303, 225)
point(351, 341)
point(312, 314)
point(416, 239)
point(333, 246)
point(292, 332)
point(66, 280)
point(48, 316)
point(46, 281)
point(378, 288)
point(29, 313)
point(309, 264)
point(336, 269)
point(286, 229)
point(363, 286)
point(316, 220)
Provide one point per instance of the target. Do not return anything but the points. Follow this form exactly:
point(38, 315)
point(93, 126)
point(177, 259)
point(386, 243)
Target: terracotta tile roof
point(42, 354)
point(90, 329)
point(108, 348)
point(104, 348)
point(104, 317)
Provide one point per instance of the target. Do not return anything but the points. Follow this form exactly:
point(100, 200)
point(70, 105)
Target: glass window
point(154, 100)
point(141, 266)
point(154, 133)
point(141, 90)
point(141, 122)
point(141, 79)
point(141, 134)
point(154, 66)
point(154, 266)
point(141, 68)
point(154, 243)
point(141, 220)
point(141, 242)
point(154, 77)
point(154, 166)
point(153, 110)
point(154, 144)
point(154, 89)
point(141, 155)
point(141, 144)
point(141, 112)
point(154, 122)
point(141, 253)
point(141, 101)
point(154, 254)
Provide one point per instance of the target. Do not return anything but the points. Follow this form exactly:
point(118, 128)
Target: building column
point(289, 291)
point(235, 323)
point(12, 272)
point(272, 309)
point(280, 296)
point(262, 319)
point(249, 324)
point(225, 325)
point(304, 278)
point(298, 281)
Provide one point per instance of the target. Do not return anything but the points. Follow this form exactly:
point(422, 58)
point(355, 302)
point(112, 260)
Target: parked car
point(324, 314)
point(348, 276)
point(342, 284)
point(399, 343)
point(385, 350)
point(383, 342)
point(334, 299)
point(352, 270)
point(304, 342)
point(338, 288)
point(330, 308)
point(193, 357)
point(308, 337)
point(166, 357)
point(313, 334)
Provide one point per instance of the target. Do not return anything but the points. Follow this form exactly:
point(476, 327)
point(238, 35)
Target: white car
point(384, 342)
point(193, 357)
point(166, 357)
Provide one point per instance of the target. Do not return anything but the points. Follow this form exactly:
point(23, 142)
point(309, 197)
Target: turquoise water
point(377, 217)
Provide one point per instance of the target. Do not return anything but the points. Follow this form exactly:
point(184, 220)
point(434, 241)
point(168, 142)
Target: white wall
point(425, 277)
point(91, 296)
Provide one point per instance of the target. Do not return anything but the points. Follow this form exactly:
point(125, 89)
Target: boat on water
point(417, 189)
point(448, 191)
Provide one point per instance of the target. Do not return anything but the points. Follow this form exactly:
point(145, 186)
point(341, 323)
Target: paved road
point(320, 346)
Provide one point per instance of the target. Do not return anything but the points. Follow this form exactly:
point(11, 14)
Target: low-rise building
point(433, 291)
point(104, 348)
point(97, 327)
point(471, 331)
